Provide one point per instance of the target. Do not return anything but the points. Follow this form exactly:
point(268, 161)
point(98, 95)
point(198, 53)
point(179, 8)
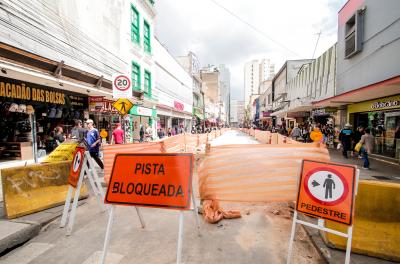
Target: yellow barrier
point(35, 187)
point(376, 223)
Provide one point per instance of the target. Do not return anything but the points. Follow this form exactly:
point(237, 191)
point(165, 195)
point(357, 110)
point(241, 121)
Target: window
point(146, 37)
point(135, 76)
point(135, 33)
point(354, 29)
point(147, 83)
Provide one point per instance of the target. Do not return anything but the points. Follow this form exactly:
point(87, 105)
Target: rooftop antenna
point(316, 44)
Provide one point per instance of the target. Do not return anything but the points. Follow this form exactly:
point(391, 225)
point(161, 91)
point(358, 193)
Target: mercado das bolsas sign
point(15, 89)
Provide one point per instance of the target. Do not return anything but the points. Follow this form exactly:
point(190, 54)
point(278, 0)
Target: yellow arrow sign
point(123, 105)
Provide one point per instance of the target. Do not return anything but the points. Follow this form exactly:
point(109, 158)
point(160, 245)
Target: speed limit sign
point(121, 86)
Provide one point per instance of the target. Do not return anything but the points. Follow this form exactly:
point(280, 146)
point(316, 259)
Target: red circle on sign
point(124, 78)
point(315, 199)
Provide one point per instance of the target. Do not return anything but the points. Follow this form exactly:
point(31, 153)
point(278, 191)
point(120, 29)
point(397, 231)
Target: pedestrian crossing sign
point(326, 191)
point(123, 106)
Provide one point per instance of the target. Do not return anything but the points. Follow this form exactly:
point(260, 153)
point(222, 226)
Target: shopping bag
point(339, 146)
point(358, 147)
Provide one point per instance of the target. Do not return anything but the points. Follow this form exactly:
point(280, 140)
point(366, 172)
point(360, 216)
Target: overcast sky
point(217, 37)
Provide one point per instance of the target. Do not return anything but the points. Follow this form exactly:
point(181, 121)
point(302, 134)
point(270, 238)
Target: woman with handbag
point(368, 142)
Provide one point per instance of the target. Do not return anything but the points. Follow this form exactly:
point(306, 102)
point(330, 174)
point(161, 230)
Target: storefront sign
point(143, 111)
point(387, 104)
point(266, 113)
point(101, 104)
point(15, 89)
point(323, 111)
point(178, 106)
point(392, 102)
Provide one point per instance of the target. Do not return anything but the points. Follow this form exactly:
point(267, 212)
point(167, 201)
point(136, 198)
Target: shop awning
point(200, 116)
point(377, 90)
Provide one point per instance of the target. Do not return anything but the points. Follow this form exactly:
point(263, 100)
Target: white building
point(225, 87)
point(75, 47)
point(173, 91)
point(255, 72)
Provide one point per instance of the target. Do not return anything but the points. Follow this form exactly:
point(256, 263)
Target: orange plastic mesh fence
point(174, 144)
point(254, 173)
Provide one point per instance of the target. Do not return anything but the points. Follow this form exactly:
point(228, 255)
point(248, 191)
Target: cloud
point(217, 37)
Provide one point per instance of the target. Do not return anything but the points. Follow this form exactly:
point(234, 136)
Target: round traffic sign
point(122, 83)
point(77, 161)
point(326, 186)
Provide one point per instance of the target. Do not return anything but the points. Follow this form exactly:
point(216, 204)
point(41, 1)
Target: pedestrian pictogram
point(121, 86)
point(123, 106)
point(76, 166)
point(326, 191)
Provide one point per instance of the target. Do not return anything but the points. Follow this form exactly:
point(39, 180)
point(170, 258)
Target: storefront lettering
point(378, 105)
point(24, 92)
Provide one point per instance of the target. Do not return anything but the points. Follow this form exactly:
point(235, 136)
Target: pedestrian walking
point(346, 137)
point(117, 135)
point(78, 132)
point(93, 139)
point(141, 132)
point(148, 133)
point(295, 133)
point(368, 142)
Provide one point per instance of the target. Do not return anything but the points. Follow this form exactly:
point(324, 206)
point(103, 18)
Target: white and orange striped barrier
point(254, 173)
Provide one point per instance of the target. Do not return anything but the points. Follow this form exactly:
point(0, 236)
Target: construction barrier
point(376, 222)
point(254, 173)
point(175, 144)
point(33, 188)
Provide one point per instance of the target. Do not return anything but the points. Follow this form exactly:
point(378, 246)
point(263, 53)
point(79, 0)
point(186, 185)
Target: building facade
point(191, 64)
point(61, 58)
point(255, 73)
point(173, 92)
point(368, 71)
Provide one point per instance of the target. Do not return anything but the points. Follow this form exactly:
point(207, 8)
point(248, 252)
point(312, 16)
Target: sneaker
point(365, 168)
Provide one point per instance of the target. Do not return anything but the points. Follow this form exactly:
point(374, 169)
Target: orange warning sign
point(326, 190)
point(155, 180)
point(76, 166)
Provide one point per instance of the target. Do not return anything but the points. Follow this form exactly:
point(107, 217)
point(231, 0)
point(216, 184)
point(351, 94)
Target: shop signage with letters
point(15, 89)
point(156, 180)
point(391, 102)
point(179, 106)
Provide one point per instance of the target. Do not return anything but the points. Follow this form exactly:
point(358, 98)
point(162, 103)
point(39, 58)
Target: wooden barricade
point(254, 173)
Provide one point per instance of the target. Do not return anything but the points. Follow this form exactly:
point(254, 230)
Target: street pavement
point(260, 236)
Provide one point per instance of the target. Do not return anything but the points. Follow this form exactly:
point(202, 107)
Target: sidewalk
point(17, 231)
point(380, 170)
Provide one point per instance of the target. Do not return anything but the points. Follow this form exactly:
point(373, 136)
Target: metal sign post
point(164, 173)
point(326, 191)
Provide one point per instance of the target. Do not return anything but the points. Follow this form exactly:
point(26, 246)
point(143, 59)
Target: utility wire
point(316, 44)
point(254, 28)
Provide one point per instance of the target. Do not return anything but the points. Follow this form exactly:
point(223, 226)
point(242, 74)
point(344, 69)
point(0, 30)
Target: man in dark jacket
point(346, 137)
